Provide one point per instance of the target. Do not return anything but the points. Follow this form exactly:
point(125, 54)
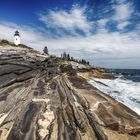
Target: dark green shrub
point(5, 42)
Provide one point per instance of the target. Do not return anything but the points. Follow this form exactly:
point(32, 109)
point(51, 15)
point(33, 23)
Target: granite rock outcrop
point(41, 100)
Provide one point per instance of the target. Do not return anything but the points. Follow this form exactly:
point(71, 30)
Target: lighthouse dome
point(16, 33)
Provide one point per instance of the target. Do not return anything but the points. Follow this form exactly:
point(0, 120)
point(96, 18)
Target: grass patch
point(6, 42)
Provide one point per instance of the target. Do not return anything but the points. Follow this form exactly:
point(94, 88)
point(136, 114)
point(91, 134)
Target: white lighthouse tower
point(16, 38)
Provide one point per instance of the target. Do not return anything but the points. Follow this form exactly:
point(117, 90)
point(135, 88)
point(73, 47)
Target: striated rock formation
point(97, 72)
point(41, 100)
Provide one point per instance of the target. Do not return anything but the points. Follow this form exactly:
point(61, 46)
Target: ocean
point(125, 88)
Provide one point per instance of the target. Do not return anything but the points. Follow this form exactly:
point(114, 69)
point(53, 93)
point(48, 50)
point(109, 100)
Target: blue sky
point(105, 32)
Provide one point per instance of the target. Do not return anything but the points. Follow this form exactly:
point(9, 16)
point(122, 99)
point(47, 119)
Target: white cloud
point(68, 20)
point(105, 49)
point(123, 11)
point(102, 22)
point(122, 25)
point(102, 25)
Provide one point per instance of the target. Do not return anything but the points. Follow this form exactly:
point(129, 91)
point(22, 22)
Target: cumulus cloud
point(102, 22)
point(68, 20)
point(122, 25)
point(123, 13)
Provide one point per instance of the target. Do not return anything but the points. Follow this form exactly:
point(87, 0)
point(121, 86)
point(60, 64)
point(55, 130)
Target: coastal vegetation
point(45, 50)
point(66, 56)
point(4, 42)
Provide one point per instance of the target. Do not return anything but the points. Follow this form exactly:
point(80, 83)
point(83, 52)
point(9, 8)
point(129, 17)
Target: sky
point(104, 32)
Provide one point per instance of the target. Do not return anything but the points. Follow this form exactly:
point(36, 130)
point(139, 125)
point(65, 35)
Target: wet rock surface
point(39, 101)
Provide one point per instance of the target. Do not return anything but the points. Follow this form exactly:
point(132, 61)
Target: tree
point(83, 61)
point(88, 62)
point(68, 57)
point(64, 55)
point(72, 59)
point(45, 50)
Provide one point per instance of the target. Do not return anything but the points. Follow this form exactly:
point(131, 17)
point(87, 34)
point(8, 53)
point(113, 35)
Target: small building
point(16, 38)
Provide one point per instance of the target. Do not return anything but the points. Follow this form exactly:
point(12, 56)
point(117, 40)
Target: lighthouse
point(16, 38)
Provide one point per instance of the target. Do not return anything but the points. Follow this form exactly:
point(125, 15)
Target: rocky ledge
point(42, 100)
